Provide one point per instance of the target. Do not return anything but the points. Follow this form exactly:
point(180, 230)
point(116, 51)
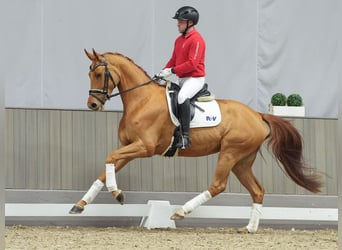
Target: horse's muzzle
point(94, 105)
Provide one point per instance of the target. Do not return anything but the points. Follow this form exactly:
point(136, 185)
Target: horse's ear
point(96, 55)
point(90, 56)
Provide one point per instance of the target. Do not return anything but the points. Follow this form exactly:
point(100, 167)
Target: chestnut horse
point(146, 129)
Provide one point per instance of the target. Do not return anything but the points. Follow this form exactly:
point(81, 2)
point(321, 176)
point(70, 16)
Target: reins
point(135, 87)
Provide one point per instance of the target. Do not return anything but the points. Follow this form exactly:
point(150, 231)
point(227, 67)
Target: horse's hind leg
point(243, 171)
point(218, 185)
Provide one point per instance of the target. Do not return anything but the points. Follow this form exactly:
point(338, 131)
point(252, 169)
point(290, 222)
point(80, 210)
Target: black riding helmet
point(187, 13)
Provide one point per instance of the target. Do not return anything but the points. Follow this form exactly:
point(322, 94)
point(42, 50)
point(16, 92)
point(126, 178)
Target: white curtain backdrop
point(254, 48)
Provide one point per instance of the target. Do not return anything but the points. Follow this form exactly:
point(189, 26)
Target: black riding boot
point(184, 140)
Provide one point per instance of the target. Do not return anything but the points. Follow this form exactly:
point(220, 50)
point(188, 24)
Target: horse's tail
point(287, 146)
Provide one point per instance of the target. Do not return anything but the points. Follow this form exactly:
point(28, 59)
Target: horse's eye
point(98, 75)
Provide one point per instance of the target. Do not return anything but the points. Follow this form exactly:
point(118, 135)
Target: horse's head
point(102, 81)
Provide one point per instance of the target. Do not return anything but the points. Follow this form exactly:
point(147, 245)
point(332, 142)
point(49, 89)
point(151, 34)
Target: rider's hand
point(167, 72)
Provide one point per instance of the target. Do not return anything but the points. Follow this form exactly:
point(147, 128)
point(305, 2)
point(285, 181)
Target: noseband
point(104, 91)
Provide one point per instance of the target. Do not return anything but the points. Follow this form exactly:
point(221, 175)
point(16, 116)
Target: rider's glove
point(165, 73)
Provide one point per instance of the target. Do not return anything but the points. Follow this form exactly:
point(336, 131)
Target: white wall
point(254, 48)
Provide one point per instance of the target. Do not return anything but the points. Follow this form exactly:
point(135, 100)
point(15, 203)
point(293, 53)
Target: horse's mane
point(128, 59)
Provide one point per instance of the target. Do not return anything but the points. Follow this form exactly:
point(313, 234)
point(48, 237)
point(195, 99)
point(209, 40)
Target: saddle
point(203, 95)
point(204, 112)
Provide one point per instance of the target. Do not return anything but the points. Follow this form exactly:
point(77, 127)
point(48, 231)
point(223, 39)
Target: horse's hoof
point(243, 230)
point(179, 215)
point(119, 196)
point(76, 209)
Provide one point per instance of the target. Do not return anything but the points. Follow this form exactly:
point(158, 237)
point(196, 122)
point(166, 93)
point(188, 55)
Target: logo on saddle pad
point(205, 111)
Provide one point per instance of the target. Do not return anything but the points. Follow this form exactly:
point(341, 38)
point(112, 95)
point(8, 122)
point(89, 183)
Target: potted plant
point(291, 106)
point(278, 99)
point(294, 100)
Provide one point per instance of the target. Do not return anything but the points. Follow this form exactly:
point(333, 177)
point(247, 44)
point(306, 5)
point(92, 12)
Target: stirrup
point(184, 141)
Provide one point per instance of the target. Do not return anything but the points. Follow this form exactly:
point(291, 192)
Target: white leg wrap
point(196, 202)
point(110, 178)
point(93, 191)
point(255, 217)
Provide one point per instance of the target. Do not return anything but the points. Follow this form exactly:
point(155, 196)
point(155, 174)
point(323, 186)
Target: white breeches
point(189, 87)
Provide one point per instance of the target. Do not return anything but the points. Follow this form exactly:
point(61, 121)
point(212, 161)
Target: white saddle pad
point(209, 118)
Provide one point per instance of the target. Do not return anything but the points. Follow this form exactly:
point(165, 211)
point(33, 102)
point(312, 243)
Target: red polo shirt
point(188, 55)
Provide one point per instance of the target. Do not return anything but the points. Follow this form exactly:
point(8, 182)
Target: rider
point(187, 62)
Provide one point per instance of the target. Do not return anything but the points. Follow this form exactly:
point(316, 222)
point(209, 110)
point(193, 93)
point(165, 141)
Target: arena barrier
point(156, 213)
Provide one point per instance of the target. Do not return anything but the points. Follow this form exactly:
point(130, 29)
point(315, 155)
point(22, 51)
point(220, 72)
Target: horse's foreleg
point(117, 160)
point(88, 197)
point(243, 172)
point(97, 187)
point(111, 183)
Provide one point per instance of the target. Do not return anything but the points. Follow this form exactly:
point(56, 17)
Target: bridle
point(104, 91)
point(108, 75)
